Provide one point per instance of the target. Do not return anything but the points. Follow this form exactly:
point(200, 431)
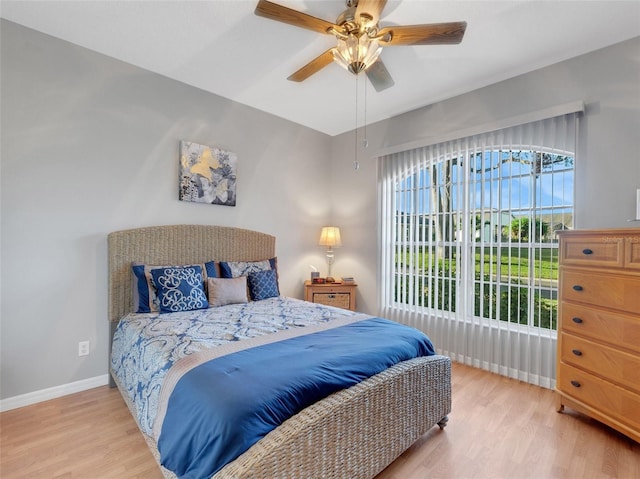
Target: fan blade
point(379, 76)
point(433, 34)
point(283, 14)
point(372, 8)
point(313, 66)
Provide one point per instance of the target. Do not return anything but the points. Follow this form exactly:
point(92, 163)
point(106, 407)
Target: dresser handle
point(577, 352)
point(575, 384)
point(577, 320)
point(577, 287)
point(587, 251)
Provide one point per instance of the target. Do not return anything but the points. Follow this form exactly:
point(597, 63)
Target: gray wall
point(90, 146)
point(607, 167)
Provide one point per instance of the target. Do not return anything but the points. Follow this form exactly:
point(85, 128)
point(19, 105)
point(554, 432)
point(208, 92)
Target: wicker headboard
point(177, 244)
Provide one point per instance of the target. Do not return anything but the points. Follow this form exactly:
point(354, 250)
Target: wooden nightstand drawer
point(340, 300)
point(340, 295)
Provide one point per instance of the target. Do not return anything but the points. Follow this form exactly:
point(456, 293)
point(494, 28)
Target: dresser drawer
point(618, 403)
point(601, 289)
point(592, 250)
point(632, 252)
point(617, 366)
point(340, 300)
point(622, 330)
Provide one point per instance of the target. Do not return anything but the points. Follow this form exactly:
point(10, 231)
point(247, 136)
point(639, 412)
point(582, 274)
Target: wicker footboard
point(354, 433)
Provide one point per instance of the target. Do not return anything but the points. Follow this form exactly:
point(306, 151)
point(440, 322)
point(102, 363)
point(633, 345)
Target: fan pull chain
point(365, 142)
point(356, 163)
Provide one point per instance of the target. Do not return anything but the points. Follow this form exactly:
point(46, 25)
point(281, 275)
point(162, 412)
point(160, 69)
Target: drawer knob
point(577, 320)
point(577, 352)
point(575, 384)
point(577, 287)
point(587, 251)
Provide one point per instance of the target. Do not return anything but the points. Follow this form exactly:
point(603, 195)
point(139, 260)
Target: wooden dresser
point(599, 326)
point(341, 295)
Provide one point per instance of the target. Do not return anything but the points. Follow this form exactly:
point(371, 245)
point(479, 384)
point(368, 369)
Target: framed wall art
point(207, 174)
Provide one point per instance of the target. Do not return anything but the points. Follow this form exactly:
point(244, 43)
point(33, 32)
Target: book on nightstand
point(348, 280)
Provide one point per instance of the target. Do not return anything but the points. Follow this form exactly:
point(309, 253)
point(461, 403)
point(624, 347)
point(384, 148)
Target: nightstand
point(332, 294)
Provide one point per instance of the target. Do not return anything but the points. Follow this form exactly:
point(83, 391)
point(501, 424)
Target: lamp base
point(329, 279)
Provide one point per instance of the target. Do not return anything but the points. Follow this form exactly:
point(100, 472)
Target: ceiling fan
point(360, 37)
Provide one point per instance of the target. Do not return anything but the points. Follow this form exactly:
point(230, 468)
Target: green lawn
point(516, 262)
point(513, 266)
point(513, 261)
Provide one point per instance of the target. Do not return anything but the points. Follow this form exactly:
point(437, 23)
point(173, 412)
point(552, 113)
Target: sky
point(496, 184)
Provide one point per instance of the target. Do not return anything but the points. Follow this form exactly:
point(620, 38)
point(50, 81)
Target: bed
point(352, 433)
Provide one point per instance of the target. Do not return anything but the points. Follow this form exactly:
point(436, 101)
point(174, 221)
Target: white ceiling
point(222, 47)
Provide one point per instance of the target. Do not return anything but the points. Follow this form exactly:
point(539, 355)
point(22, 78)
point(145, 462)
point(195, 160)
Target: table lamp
point(330, 237)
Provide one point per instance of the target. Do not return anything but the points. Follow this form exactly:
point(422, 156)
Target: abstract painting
point(207, 174)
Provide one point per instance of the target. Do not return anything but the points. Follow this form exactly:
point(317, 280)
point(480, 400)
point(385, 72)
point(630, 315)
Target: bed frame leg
point(443, 422)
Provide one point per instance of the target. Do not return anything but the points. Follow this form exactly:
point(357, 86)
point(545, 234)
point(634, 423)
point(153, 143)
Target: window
point(469, 247)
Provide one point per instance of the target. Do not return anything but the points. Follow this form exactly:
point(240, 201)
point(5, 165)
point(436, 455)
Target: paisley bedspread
point(208, 384)
point(144, 348)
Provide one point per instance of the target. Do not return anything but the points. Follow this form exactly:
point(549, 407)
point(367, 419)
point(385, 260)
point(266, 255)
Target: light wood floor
point(499, 428)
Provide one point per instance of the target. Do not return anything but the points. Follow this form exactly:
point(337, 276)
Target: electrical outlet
point(83, 348)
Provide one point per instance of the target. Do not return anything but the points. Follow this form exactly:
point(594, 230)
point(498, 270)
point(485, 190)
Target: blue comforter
point(221, 408)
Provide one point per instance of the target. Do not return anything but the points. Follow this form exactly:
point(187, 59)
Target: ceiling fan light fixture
point(360, 38)
point(356, 53)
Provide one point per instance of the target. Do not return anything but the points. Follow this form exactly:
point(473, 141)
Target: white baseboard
point(52, 393)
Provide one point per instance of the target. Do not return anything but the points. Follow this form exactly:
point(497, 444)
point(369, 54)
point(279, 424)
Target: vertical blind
point(468, 245)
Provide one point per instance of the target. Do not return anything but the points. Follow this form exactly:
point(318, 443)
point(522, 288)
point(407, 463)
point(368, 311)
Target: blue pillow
point(263, 285)
point(210, 270)
point(144, 290)
point(180, 288)
point(234, 269)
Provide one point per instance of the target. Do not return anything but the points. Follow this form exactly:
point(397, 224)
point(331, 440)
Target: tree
point(442, 186)
point(538, 160)
point(441, 199)
point(521, 229)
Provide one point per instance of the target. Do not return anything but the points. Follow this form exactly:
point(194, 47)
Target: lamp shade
point(330, 236)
